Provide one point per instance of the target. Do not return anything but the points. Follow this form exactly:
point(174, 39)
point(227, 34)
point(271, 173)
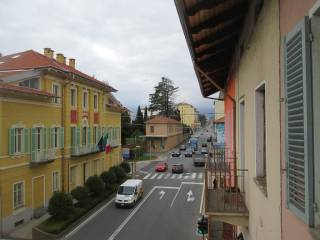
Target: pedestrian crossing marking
point(158, 176)
point(147, 176)
point(154, 176)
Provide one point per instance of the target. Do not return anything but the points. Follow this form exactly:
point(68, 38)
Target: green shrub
point(95, 185)
point(81, 194)
point(60, 205)
point(119, 172)
point(125, 166)
point(109, 178)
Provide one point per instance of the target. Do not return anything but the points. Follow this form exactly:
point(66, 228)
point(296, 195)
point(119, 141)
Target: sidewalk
point(24, 231)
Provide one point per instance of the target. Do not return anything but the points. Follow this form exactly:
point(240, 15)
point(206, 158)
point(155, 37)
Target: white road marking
point(175, 196)
point(122, 225)
point(167, 176)
point(88, 219)
point(173, 176)
point(146, 177)
point(202, 198)
point(179, 176)
point(186, 176)
point(190, 197)
point(161, 193)
point(200, 175)
point(160, 176)
point(154, 176)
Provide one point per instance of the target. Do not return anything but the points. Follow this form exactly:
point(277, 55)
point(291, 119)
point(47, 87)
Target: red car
point(161, 167)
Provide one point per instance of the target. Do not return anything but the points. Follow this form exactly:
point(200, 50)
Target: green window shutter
point(51, 137)
point(11, 140)
point(99, 134)
point(77, 136)
point(33, 143)
point(44, 137)
point(61, 137)
point(89, 135)
point(298, 92)
point(26, 135)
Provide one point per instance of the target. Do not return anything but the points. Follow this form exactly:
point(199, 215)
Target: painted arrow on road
point(161, 193)
point(190, 197)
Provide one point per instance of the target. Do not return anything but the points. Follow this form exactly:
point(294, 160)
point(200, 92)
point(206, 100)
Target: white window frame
point(95, 102)
point(261, 161)
point(85, 129)
point(85, 102)
point(55, 181)
point(16, 140)
point(75, 97)
point(56, 99)
point(22, 204)
point(73, 179)
point(56, 142)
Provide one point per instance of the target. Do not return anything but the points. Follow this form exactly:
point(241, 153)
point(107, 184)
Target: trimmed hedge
point(60, 205)
point(126, 167)
point(81, 194)
point(119, 172)
point(95, 185)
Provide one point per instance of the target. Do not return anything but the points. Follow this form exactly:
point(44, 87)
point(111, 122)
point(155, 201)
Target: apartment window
point(30, 83)
point(18, 140)
point(260, 118)
point(55, 137)
point(95, 102)
point(152, 129)
point(18, 195)
point(84, 135)
point(73, 96)
point(85, 99)
point(55, 181)
point(56, 93)
point(73, 175)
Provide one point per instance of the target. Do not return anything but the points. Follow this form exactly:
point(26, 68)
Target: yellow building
point(189, 115)
point(51, 119)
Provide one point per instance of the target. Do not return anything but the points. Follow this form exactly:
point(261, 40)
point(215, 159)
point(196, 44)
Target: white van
point(129, 193)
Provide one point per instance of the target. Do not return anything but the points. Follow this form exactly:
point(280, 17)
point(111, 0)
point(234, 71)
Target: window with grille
point(55, 181)
point(18, 195)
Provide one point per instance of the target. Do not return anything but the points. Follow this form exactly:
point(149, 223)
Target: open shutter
point(11, 141)
point(89, 135)
point(44, 138)
point(61, 137)
point(33, 143)
point(77, 142)
point(26, 136)
point(51, 137)
point(298, 92)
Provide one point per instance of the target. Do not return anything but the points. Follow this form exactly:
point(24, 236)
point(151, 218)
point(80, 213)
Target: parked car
point(204, 145)
point(176, 153)
point(161, 167)
point(182, 147)
point(199, 160)
point(177, 168)
point(129, 193)
point(188, 153)
point(204, 150)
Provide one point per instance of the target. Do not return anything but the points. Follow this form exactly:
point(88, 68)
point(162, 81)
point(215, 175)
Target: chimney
point(48, 52)
point(72, 62)
point(60, 58)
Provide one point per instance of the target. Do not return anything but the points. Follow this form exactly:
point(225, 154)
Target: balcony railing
point(80, 150)
point(43, 156)
point(224, 188)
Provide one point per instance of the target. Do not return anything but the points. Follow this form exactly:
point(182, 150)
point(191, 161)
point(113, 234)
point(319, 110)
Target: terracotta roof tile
point(161, 119)
point(33, 60)
point(9, 87)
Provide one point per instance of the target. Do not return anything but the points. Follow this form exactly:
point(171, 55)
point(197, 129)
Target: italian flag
point(107, 145)
point(104, 144)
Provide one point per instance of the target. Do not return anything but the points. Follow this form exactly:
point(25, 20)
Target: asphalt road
point(169, 209)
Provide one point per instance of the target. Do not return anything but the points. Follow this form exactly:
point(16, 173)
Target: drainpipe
point(234, 115)
point(63, 159)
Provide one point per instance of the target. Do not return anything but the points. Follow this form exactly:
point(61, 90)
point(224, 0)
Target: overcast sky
point(129, 44)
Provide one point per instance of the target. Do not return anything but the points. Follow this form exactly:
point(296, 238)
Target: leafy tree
point(109, 178)
point(202, 120)
point(162, 99)
point(145, 114)
point(60, 205)
point(81, 194)
point(95, 185)
point(126, 126)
